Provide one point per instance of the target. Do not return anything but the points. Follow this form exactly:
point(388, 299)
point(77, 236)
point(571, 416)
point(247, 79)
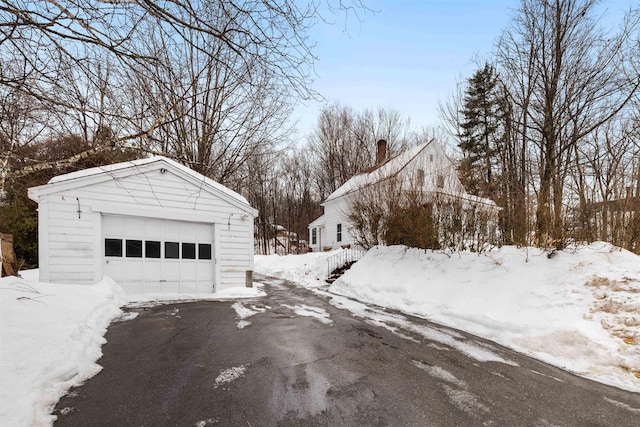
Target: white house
point(427, 164)
point(153, 225)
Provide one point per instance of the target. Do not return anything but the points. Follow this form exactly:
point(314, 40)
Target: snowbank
point(579, 310)
point(309, 270)
point(51, 337)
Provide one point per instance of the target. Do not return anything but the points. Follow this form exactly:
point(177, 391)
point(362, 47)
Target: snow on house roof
point(146, 161)
point(389, 169)
point(379, 173)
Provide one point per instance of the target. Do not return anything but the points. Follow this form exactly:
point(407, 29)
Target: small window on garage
point(113, 247)
point(151, 249)
point(339, 233)
point(134, 248)
point(204, 251)
point(314, 236)
point(171, 250)
point(188, 251)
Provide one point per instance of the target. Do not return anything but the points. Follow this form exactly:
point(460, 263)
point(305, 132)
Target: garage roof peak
point(116, 168)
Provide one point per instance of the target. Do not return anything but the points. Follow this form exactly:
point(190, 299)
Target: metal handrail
point(347, 255)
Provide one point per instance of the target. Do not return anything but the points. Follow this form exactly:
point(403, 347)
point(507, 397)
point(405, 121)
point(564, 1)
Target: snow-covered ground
point(51, 337)
point(309, 270)
point(578, 310)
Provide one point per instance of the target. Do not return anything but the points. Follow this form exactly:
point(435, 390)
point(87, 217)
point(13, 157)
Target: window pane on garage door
point(151, 249)
point(113, 247)
point(134, 248)
point(171, 250)
point(189, 251)
point(204, 251)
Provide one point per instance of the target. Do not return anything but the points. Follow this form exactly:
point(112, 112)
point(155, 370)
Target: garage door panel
point(113, 268)
point(170, 270)
point(134, 286)
point(188, 287)
point(171, 234)
point(204, 270)
point(153, 228)
point(152, 287)
point(170, 286)
point(188, 270)
point(134, 227)
point(204, 287)
point(112, 226)
point(152, 270)
point(205, 231)
point(149, 270)
point(188, 232)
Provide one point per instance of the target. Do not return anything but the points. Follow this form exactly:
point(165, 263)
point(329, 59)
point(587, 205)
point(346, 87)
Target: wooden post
point(249, 279)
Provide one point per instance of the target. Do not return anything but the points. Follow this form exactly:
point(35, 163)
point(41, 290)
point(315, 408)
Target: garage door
point(149, 255)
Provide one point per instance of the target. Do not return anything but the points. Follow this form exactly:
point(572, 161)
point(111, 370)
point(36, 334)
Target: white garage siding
point(72, 243)
point(69, 241)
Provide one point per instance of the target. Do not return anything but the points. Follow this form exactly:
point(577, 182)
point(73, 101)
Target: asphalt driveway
point(301, 361)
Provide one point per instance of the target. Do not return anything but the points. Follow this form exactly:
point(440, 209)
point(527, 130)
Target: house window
point(151, 249)
point(420, 177)
point(188, 251)
point(339, 233)
point(440, 181)
point(171, 250)
point(314, 236)
point(134, 248)
point(113, 247)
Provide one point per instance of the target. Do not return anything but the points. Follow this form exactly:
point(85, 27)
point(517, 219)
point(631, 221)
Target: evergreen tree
point(480, 133)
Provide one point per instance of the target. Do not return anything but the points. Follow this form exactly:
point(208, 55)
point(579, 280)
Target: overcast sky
point(408, 55)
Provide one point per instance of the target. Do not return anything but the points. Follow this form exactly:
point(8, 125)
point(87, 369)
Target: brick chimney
point(381, 154)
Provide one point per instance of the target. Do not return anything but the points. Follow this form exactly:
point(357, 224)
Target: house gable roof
point(99, 174)
point(379, 173)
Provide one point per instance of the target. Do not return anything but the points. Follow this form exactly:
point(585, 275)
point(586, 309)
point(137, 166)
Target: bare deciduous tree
point(565, 79)
point(46, 46)
point(344, 142)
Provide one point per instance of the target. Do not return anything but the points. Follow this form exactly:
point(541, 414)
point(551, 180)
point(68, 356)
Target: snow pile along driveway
point(51, 337)
point(579, 310)
point(309, 270)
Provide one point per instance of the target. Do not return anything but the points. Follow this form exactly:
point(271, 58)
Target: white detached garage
point(152, 225)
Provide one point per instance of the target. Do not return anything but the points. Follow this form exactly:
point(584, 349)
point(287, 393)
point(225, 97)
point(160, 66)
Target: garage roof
point(80, 177)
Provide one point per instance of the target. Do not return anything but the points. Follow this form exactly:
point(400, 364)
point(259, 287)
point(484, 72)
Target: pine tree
point(480, 133)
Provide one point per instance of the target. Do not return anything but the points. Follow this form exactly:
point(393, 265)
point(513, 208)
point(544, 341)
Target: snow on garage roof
point(140, 162)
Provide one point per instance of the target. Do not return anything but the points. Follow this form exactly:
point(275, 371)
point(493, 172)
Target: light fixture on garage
point(163, 171)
